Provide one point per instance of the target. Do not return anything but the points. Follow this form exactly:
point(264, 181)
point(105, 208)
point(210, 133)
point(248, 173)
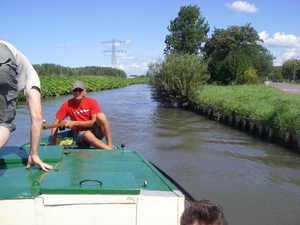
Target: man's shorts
point(8, 88)
point(96, 131)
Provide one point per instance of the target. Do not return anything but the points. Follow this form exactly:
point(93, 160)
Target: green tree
point(277, 74)
point(188, 31)
point(233, 66)
point(261, 58)
point(236, 40)
point(291, 69)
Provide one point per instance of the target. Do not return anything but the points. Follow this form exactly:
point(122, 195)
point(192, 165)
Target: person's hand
point(35, 160)
point(69, 124)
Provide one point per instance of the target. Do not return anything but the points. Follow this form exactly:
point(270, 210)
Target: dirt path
point(290, 88)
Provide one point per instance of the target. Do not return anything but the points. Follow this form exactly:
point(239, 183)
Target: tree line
point(49, 69)
point(289, 71)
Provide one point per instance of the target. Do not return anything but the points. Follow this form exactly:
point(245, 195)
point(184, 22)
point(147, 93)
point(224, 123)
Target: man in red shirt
point(87, 119)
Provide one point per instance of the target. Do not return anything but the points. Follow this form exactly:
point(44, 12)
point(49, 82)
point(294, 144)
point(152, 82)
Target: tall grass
point(262, 105)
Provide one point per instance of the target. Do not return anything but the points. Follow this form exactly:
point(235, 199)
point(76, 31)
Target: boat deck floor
point(78, 171)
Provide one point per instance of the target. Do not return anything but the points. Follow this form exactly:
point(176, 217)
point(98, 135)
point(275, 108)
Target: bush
point(174, 79)
point(249, 77)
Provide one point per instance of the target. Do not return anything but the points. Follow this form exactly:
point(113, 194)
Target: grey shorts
point(8, 88)
point(96, 131)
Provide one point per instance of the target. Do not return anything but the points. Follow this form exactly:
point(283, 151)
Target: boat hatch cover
point(90, 183)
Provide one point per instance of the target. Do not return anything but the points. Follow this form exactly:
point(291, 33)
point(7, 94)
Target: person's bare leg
point(103, 123)
point(5, 134)
point(90, 138)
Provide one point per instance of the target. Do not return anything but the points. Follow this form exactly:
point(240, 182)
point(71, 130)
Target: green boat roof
point(78, 171)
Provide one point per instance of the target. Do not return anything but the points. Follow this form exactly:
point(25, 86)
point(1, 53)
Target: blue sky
point(76, 33)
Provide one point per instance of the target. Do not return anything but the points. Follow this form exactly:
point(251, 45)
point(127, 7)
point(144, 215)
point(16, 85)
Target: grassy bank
point(61, 85)
point(261, 105)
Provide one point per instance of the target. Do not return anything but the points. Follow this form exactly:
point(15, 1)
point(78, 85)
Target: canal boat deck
point(88, 186)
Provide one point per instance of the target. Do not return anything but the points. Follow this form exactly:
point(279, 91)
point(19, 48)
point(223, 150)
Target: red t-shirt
point(78, 112)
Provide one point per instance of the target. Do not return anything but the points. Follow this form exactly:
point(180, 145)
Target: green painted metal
point(90, 183)
point(49, 154)
point(78, 171)
point(18, 182)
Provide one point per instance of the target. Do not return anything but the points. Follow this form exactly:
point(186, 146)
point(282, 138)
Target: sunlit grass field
point(61, 85)
point(263, 105)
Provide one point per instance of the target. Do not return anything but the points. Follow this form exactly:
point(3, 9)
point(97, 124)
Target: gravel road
point(290, 88)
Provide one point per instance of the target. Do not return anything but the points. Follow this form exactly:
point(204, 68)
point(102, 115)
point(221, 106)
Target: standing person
point(203, 212)
point(87, 119)
point(16, 74)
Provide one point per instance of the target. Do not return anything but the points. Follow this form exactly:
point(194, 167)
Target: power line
point(113, 50)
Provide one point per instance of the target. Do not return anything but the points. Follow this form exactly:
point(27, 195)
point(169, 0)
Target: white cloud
point(241, 6)
point(127, 57)
point(288, 46)
point(291, 53)
point(263, 35)
point(135, 66)
point(63, 45)
point(280, 39)
point(121, 67)
point(278, 61)
point(144, 66)
point(285, 47)
point(128, 42)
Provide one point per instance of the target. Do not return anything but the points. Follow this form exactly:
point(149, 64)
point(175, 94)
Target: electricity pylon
point(113, 50)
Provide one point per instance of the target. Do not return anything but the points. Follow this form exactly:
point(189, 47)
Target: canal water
point(255, 181)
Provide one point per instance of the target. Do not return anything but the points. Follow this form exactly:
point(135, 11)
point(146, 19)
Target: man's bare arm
point(36, 127)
